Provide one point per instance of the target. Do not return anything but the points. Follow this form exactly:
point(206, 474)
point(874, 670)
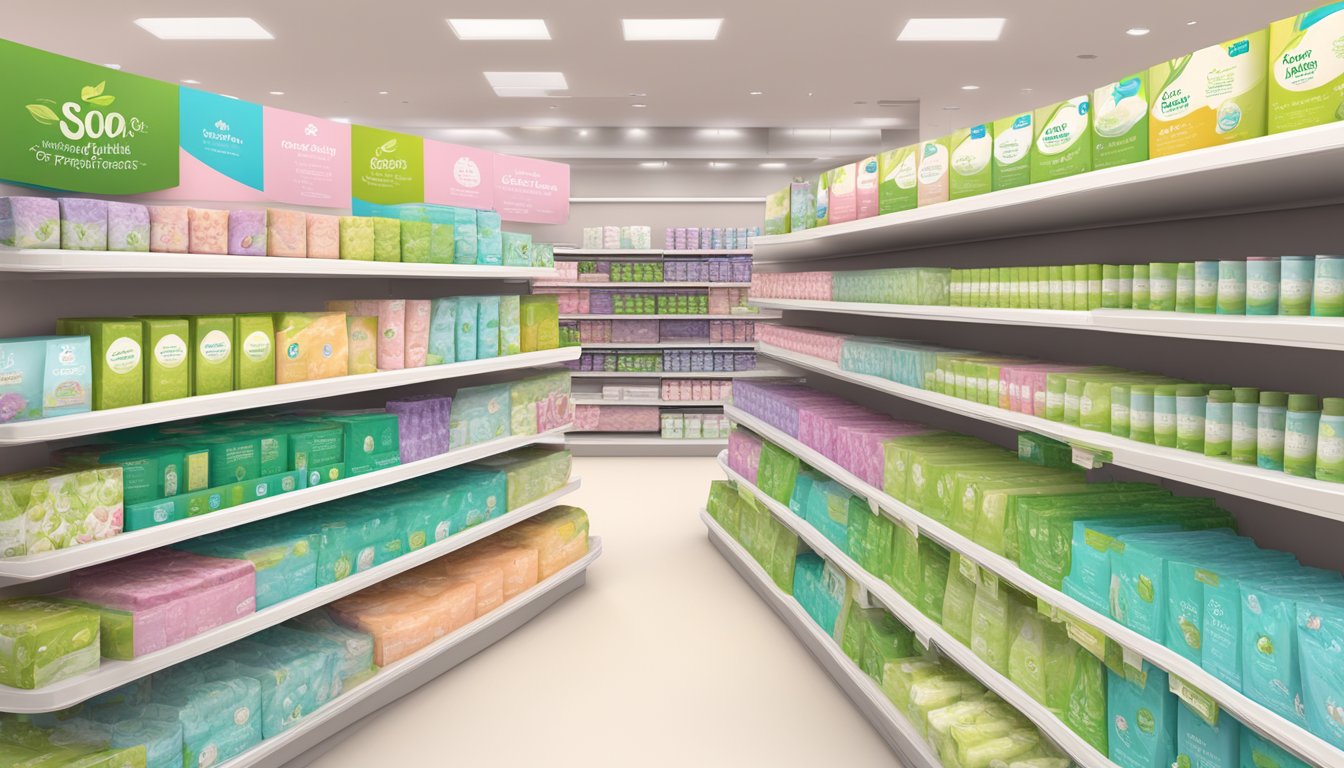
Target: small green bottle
point(1141, 286)
point(1218, 422)
point(1162, 287)
point(1231, 288)
point(1164, 415)
point(1125, 300)
point(1330, 442)
point(1300, 434)
point(1141, 413)
point(1185, 286)
point(1270, 419)
point(1191, 404)
point(1245, 411)
point(1206, 287)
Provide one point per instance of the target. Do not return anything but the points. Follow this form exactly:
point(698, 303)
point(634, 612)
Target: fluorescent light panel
point(205, 28)
point(947, 30)
point(547, 81)
point(500, 29)
point(671, 29)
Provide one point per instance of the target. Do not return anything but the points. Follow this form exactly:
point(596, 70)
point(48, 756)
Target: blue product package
point(489, 239)
point(819, 588)
point(443, 329)
point(1142, 718)
point(468, 314)
point(510, 325)
point(479, 414)
point(156, 727)
point(285, 557)
point(487, 327)
point(1270, 673)
point(517, 249)
point(296, 679)
point(1320, 635)
point(45, 376)
point(464, 236)
point(357, 647)
point(221, 717)
point(828, 511)
point(1203, 745)
point(1221, 651)
point(1258, 752)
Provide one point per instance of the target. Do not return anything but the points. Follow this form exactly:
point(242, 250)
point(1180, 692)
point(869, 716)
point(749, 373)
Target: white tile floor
point(665, 658)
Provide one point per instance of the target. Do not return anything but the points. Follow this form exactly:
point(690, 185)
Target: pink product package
point(820, 344)
point(168, 229)
point(171, 595)
point(627, 419)
point(391, 334)
point(324, 236)
point(417, 332)
point(247, 233)
point(817, 422)
point(286, 233)
point(858, 447)
point(634, 331)
point(843, 195)
point(207, 231)
point(811, 286)
point(555, 410)
point(778, 403)
point(744, 454)
point(586, 417)
point(1026, 385)
point(866, 189)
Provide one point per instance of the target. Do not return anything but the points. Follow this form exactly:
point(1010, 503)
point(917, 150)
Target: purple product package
point(681, 330)
point(127, 227)
point(30, 222)
point(247, 232)
point(83, 224)
point(422, 425)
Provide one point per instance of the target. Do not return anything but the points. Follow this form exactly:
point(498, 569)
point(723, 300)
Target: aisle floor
point(665, 658)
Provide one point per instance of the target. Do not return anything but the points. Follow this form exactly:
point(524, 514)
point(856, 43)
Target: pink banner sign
point(307, 159)
point(532, 191)
point(459, 176)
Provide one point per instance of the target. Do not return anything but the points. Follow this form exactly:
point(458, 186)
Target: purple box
point(600, 303)
point(247, 235)
point(83, 224)
point(30, 222)
point(127, 227)
point(422, 425)
point(684, 330)
point(634, 331)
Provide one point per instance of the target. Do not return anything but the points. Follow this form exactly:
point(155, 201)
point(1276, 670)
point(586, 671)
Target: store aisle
point(634, 669)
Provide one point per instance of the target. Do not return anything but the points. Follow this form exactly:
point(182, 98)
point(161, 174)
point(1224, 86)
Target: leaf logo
point(42, 114)
point(388, 148)
point(93, 94)
point(221, 125)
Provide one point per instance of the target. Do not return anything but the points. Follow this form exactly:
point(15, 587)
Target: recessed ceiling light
point(639, 106)
point(383, 93)
point(671, 29)
point(112, 66)
point(205, 28)
point(809, 93)
point(526, 84)
point(720, 133)
point(1191, 23)
point(951, 109)
point(277, 93)
point(720, 164)
point(638, 95)
point(773, 164)
point(755, 93)
point(583, 131)
point(189, 81)
point(1026, 90)
point(1087, 56)
point(653, 164)
point(1137, 31)
point(553, 106)
point(970, 87)
point(946, 30)
point(500, 29)
point(636, 132)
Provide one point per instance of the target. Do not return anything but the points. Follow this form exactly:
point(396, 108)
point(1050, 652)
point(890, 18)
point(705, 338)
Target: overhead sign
point(533, 191)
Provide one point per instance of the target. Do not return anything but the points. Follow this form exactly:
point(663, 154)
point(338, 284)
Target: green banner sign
point(70, 125)
point(386, 168)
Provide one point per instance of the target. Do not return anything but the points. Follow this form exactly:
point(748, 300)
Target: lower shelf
point(324, 729)
point(641, 444)
point(865, 693)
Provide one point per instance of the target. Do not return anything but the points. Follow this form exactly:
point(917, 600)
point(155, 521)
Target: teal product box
point(313, 444)
point(330, 473)
point(369, 438)
point(479, 414)
point(45, 376)
point(468, 314)
point(517, 249)
point(443, 329)
point(148, 472)
point(510, 325)
point(489, 239)
point(464, 236)
point(487, 327)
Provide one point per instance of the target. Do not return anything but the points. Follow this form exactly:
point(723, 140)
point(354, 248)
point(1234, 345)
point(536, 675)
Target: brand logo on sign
point(80, 119)
point(380, 163)
point(310, 130)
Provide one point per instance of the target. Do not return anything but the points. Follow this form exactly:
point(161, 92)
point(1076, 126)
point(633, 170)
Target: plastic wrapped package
point(531, 473)
point(1320, 627)
point(356, 647)
point(55, 507)
point(820, 588)
point(408, 612)
point(932, 693)
point(870, 539)
point(1142, 716)
point(220, 713)
point(422, 425)
point(285, 561)
point(996, 619)
point(480, 414)
point(154, 600)
point(1040, 658)
point(744, 454)
point(560, 536)
point(1085, 713)
point(75, 743)
point(518, 562)
point(539, 318)
point(777, 472)
point(296, 677)
point(46, 641)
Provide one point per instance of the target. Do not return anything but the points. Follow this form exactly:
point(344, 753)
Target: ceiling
point(827, 69)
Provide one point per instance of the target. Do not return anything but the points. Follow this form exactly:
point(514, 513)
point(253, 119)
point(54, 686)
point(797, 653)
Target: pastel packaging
point(212, 344)
point(934, 160)
point(417, 332)
point(517, 249)
point(116, 350)
point(362, 341)
point(487, 327)
point(207, 231)
point(127, 227)
point(30, 222)
point(254, 357)
point(386, 239)
point(468, 313)
point(169, 229)
point(310, 346)
point(489, 239)
point(247, 232)
point(464, 236)
point(510, 328)
point(443, 330)
point(45, 376)
point(391, 334)
point(357, 238)
point(286, 233)
point(324, 236)
point(415, 241)
point(168, 359)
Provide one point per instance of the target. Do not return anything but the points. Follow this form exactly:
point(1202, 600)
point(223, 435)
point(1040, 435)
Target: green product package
point(212, 347)
point(233, 458)
point(824, 199)
point(254, 358)
point(1085, 712)
point(46, 641)
point(959, 598)
point(1062, 140)
point(1120, 122)
point(898, 180)
point(1305, 78)
point(1040, 657)
point(368, 437)
point(416, 237)
point(168, 364)
point(386, 238)
point(1013, 139)
point(148, 472)
point(972, 171)
point(777, 472)
point(777, 212)
point(117, 348)
point(357, 239)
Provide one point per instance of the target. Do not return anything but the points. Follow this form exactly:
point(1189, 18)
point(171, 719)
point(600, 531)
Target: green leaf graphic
point(102, 101)
point(42, 113)
point(1177, 67)
point(389, 147)
point(90, 92)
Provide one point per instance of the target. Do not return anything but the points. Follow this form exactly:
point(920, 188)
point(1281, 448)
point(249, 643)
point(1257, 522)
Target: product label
point(1271, 439)
point(257, 346)
point(1299, 445)
point(1295, 290)
point(1012, 145)
point(123, 355)
point(215, 347)
point(1330, 450)
point(1064, 129)
point(934, 164)
point(906, 174)
point(170, 352)
point(1217, 431)
point(1261, 290)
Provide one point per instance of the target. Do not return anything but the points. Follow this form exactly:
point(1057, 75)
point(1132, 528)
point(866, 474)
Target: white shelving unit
point(1308, 495)
point(29, 568)
point(760, 373)
point(322, 730)
point(742, 316)
point(893, 725)
point(1292, 737)
point(111, 674)
point(1309, 332)
point(675, 345)
point(609, 284)
point(101, 264)
point(647, 444)
point(1298, 169)
point(647, 403)
point(96, 422)
point(611, 253)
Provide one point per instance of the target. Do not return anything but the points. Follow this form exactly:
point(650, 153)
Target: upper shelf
point(646, 253)
point(62, 263)
point(96, 422)
point(1288, 170)
point(617, 284)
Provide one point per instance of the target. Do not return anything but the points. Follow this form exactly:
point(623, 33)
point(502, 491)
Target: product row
point(103, 363)
point(208, 710)
point(1273, 80)
point(716, 269)
point(149, 476)
point(669, 361)
point(424, 234)
point(618, 238)
point(710, 238)
point(1126, 713)
point(654, 331)
point(1300, 434)
point(584, 301)
point(669, 390)
point(681, 425)
point(148, 602)
point(678, 424)
point(1170, 568)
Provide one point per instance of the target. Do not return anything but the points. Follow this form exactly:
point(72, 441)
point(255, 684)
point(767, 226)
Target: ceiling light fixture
point(653, 164)
point(205, 28)
point(720, 133)
point(755, 93)
point(720, 164)
point(639, 106)
point(553, 106)
point(671, 29)
point(583, 131)
point(1087, 56)
point(277, 93)
point(970, 87)
point(636, 132)
point(500, 29)
point(526, 84)
point(112, 66)
point(189, 81)
point(952, 30)
point(1137, 31)
point(383, 93)
point(774, 165)
point(1191, 23)
point(951, 109)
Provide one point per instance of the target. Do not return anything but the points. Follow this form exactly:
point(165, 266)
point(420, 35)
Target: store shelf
point(95, 422)
point(613, 253)
point(1309, 332)
point(1289, 170)
point(707, 252)
point(17, 570)
point(1308, 495)
point(308, 739)
point(756, 374)
point(676, 345)
point(929, 633)
point(640, 444)
point(111, 673)
point(890, 723)
point(101, 264)
point(1275, 728)
point(742, 316)
point(608, 284)
point(659, 403)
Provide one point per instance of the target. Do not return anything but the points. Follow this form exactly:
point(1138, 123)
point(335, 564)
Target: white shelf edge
point(867, 696)
point(1305, 332)
point(752, 374)
point(641, 444)
point(675, 345)
point(405, 675)
point(54, 261)
point(742, 316)
point(647, 403)
point(1049, 724)
point(18, 570)
point(95, 422)
point(1315, 497)
point(611, 252)
point(618, 285)
point(112, 673)
point(1273, 727)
